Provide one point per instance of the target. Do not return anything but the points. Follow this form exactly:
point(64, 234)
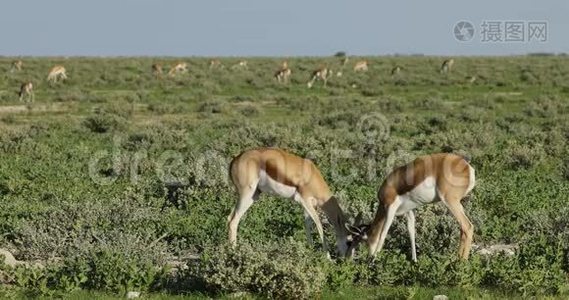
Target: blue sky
point(267, 28)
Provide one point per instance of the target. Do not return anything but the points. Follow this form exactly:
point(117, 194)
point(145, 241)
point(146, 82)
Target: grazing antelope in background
point(272, 170)
point(242, 64)
point(442, 177)
point(343, 64)
point(283, 74)
point(16, 66)
point(320, 74)
point(447, 65)
point(471, 79)
point(361, 66)
point(27, 89)
point(179, 68)
point(215, 63)
point(396, 70)
point(56, 73)
point(157, 70)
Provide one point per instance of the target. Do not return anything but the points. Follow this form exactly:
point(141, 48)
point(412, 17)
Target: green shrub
point(104, 122)
point(282, 271)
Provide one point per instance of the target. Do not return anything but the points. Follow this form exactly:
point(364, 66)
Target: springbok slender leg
point(411, 229)
point(466, 228)
point(309, 209)
point(308, 228)
point(246, 199)
point(389, 217)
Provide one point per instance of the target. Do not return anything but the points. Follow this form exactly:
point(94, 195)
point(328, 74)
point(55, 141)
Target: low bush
point(282, 271)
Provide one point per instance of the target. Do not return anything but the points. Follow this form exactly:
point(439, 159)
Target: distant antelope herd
point(282, 75)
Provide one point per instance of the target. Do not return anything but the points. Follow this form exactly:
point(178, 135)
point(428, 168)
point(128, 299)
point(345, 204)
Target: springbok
point(283, 74)
point(16, 66)
point(320, 74)
point(343, 64)
point(27, 90)
point(442, 177)
point(215, 64)
point(56, 73)
point(157, 70)
point(361, 66)
point(276, 171)
point(242, 64)
point(447, 65)
point(396, 70)
point(178, 68)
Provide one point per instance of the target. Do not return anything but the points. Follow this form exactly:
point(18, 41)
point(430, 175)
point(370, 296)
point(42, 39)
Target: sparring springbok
point(447, 65)
point(157, 70)
point(442, 177)
point(283, 74)
point(276, 171)
point(361, 66)
point(27, 90)
point(320, 74)
point(16, 66)
point(56, 73)
point(179, 68)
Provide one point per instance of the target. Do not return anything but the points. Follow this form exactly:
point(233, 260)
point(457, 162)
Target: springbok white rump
point(276, 171)
point(442, 177)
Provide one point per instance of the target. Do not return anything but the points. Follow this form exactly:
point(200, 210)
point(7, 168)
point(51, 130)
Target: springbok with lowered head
point(441, 177)
point(322, 73)
point(242, 64)
point(56, 73)
point(178, 68)
point(276, 171)
point(361, 66)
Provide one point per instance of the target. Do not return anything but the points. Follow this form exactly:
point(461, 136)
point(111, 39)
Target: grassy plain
point(113, 173)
